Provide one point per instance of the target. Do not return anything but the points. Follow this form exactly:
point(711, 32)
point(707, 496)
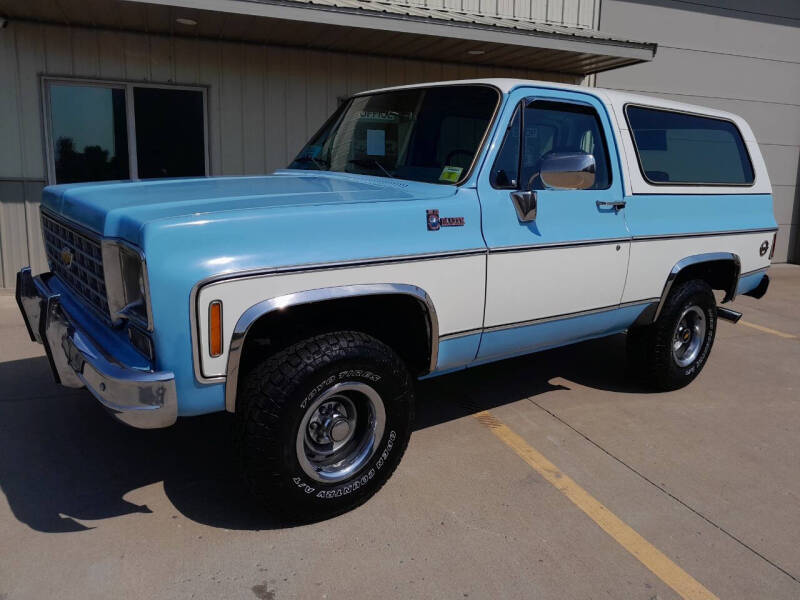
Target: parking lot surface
point(547, 476)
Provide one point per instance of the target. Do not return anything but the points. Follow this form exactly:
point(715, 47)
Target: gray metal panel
point(781, 162)
point(707, 74)
point(688, 26)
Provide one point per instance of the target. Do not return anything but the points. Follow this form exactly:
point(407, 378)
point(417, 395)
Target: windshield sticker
point(451, 174)
point(310, 152)
point(376, 142)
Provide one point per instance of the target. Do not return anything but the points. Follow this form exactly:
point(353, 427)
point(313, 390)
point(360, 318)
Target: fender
point(696, 259)
point(255, 312)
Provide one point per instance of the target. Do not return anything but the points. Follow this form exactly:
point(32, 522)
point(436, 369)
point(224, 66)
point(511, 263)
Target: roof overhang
point(364, 26)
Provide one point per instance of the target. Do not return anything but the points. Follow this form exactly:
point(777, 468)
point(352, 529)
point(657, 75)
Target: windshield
point(422, 134)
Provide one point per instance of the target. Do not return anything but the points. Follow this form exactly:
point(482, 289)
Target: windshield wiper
point(368, 162)
point(318, 162)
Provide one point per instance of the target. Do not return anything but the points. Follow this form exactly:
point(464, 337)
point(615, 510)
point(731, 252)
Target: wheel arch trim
point(697, 259)
point(270, 305)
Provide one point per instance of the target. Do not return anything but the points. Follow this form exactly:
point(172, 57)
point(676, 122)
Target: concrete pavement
point(708, 475)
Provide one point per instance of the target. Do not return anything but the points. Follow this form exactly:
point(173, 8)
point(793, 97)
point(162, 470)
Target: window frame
point(518, 111)
point(526, 103)
point(692, 114)
point(46, 81)
point(482, 144)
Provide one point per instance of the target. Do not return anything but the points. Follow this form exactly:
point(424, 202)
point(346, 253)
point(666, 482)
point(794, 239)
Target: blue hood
point(122, 208)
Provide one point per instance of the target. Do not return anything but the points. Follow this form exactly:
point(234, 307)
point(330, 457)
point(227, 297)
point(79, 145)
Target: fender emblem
point(435, 222)
point(764, 247)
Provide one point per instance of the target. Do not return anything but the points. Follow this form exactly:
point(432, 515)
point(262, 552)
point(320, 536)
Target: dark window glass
point(422, 134)
point(89, 133)
point(169, 132)
point(505, 172)
point(554, 127)
point(677, 148)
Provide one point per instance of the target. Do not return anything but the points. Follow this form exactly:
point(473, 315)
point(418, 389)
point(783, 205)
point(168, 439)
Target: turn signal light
point(215, 328)
point(772, 250)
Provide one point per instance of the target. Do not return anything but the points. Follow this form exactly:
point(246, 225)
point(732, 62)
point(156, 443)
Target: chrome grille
point(77, 259)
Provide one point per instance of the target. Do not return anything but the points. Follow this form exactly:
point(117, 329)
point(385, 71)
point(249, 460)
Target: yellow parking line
point(651, 557)
point(788, 336)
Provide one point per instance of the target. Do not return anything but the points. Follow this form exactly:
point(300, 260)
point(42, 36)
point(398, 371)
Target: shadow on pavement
point(64, 460)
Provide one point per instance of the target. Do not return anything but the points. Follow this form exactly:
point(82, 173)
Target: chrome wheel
point(340, 431)
point(689, 336)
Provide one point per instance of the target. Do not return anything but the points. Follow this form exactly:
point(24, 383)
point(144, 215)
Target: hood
point(122, 208)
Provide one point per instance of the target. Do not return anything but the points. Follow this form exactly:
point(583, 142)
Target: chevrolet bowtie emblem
point(66, 257)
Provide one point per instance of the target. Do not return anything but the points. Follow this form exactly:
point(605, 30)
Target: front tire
point(321, 425)
point(671, 352)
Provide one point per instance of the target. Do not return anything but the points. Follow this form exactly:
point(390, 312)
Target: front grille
point(77, 259)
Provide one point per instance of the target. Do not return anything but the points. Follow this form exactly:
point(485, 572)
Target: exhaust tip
point(729, 315)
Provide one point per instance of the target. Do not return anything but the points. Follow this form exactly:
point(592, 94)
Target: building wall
point(263, 102)
point(742, 56)
point(574, 13)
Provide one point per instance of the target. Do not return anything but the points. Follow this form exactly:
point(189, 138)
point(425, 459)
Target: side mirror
point(568, 170)
point(526, 204)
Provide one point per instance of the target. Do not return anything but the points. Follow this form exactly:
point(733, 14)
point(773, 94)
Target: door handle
point(616, 204)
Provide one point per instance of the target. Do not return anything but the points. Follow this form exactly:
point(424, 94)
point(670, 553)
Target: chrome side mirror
point(568, 171)
point(526, 204)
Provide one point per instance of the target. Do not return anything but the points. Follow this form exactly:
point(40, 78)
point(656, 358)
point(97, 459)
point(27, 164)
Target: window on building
point(556, 127)
point(104, 131)
point(88, 132)
point(678, 148)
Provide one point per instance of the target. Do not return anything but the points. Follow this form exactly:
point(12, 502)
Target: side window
point(505, 171)
point(556, 127)
point(678, 148)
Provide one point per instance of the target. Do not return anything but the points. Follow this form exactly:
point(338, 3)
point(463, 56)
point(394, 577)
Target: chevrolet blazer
point(423, 229)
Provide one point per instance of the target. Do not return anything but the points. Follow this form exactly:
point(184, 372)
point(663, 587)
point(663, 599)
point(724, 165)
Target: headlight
point(126, 284)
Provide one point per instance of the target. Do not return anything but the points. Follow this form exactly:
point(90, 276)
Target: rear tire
point(671, 352)
point(321, 425)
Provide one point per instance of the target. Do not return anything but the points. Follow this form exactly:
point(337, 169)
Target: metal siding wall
point(561, 12)
point(738, 55)
point(263, 103)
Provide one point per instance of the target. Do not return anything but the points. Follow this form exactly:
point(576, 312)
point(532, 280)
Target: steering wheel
point(468, 153)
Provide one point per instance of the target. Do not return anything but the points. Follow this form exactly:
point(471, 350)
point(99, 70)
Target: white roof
point(615, 101)
point(613, 98)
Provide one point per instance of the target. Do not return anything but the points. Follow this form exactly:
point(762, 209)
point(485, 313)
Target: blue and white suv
point(422, 230)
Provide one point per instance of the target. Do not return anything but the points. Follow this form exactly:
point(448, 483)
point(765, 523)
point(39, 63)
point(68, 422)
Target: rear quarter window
point(675, 148)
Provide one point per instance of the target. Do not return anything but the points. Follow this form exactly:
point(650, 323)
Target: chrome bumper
point(144, 399)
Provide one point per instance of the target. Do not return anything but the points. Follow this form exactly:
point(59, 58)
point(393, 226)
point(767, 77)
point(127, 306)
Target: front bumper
point(144, 399)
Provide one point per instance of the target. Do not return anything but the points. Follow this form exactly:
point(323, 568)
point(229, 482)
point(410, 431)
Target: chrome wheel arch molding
point(260, 309)
point(697, 259)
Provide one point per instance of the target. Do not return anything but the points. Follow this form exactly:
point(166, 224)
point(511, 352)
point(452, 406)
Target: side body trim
point(730, 293)
point(562, 317)
point(650, 238)
point(252, 314)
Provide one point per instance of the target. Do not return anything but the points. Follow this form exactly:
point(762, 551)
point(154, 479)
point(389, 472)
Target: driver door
point(559, 277)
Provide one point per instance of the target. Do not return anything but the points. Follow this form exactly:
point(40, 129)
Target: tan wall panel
point(13, 229)
point(263, 102)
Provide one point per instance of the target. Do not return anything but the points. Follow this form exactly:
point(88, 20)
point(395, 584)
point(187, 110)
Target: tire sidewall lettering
point(320, 490)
